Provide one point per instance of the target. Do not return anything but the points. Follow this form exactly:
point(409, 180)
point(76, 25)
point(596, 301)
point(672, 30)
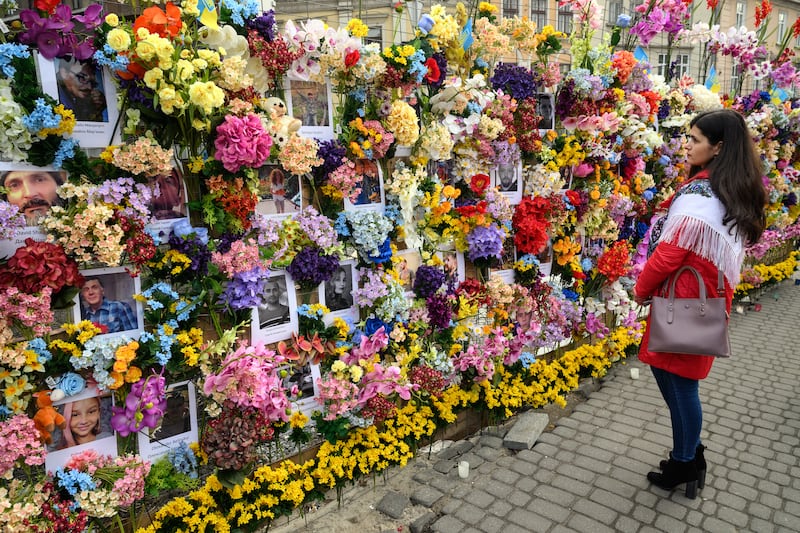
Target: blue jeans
point(683, 399)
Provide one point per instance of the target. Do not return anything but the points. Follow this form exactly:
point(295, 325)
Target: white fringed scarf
point(694, 222)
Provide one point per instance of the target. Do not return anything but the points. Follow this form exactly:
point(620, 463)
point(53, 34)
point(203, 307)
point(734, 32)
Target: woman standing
point(710, 219)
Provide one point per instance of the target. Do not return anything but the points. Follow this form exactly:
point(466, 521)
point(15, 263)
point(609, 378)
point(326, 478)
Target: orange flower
point(165, 24)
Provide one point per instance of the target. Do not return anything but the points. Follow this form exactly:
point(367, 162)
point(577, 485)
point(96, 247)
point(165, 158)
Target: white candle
point(463, 469)
point(634, 373)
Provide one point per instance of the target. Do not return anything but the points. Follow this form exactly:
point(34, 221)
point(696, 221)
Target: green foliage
point(163, 477)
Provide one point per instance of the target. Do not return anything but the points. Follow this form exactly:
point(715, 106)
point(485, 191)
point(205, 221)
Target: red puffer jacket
point(666, 259)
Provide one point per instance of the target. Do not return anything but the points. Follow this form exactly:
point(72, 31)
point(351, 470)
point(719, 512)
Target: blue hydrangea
point(9, 51)
point(242, 10)
point(341, 225)
point(108, 57)
point(66, 150)
point(74, 481)
point(42, 117)
point(183, 460)
point(418, 68)
point(527, 359)
point(40, 347)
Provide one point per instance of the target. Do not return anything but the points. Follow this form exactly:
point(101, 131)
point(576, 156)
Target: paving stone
point(525, 431)
point(458, 448)
point(480, 498)
point(447, 524)
point(421, 524)
point(469, 514)
point(492, 524)
point(426, 496)
point(491, 441)
point(393, 504)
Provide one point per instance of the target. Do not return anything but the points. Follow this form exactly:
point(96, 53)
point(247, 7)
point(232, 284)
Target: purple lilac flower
point(11, 220)
point(439, 311)
point(317, 227)
point(428, 280)
point(311, 266)
point(485, 242)
point(246, 289)
point(514, 80)
point(264, 25)
point(331, 152)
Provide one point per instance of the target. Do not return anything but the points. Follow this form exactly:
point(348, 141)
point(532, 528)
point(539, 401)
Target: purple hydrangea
point(311, 266)
point(245, 290)
point(485, 243)
point(514, 80)
point(428, 280)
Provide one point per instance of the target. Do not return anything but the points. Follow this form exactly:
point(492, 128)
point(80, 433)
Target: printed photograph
point(87, 419)
point(545, 108)
point(276, 318)
point(33, 190)
point(87, 90)
point(279, 192)
point(371, 196)
point(311, 103)
point(169, 198)
point(178, 425)
point(408, 262)
point(508, 180)
point(339, 289)
point(106, 299)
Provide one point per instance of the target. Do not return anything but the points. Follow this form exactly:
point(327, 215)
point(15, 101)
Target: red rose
point(351, 58)
point(434, 74)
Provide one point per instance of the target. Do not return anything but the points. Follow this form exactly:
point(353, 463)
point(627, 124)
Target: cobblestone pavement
point(588, 473)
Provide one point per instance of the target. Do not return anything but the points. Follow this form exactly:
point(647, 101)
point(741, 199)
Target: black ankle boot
point(699, 461)
point(676, 473)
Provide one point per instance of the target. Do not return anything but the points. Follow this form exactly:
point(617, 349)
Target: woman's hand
point(641, 300)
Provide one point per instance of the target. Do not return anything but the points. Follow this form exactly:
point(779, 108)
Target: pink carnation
point(242, 142)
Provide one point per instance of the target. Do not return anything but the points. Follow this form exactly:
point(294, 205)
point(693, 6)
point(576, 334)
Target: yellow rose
point(145, 50)
point(205, 95)
point(152, 76)
point(184, 70)
point(112, 20)
point(118, 39)
point(167, 93)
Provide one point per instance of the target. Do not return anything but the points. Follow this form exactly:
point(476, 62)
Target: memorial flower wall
point(296, 239)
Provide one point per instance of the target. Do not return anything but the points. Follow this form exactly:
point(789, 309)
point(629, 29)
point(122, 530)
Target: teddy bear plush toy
point(47, 419)
point(283, 126)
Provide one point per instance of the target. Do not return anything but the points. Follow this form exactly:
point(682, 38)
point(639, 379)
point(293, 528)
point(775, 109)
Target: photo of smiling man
point(33, 191)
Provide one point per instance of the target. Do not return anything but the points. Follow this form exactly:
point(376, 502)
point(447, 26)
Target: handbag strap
point(669, 287)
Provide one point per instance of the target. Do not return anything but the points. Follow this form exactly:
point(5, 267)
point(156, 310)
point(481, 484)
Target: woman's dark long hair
point(735, 172)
